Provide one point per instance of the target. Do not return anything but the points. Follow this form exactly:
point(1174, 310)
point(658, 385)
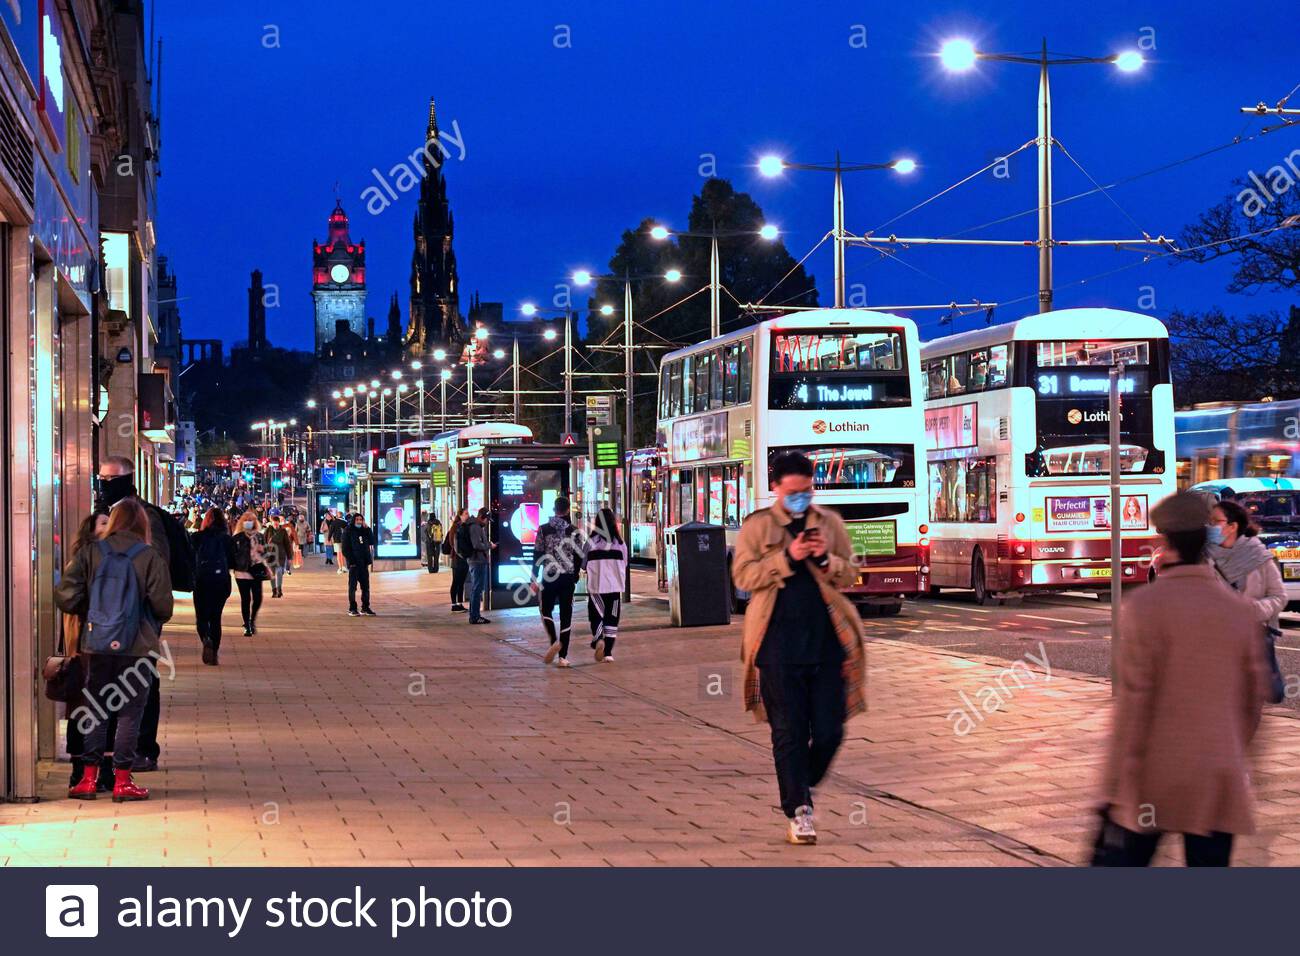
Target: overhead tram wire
point(806, 257)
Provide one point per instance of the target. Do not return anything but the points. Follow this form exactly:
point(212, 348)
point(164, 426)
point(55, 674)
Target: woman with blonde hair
point(249, 568)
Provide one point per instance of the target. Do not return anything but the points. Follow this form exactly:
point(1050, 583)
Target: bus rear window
point(857, 466)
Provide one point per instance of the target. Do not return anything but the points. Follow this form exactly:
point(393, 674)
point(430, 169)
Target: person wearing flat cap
point(1191, 681)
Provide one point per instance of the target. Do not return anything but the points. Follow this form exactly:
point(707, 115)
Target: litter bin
point(700, 591)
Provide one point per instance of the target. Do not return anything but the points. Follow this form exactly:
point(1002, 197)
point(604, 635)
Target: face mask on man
point(1214, 533)
point(112, 490)
point(797, 502)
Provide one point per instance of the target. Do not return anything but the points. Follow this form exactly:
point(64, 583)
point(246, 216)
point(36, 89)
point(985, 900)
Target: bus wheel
point(890, 610)
point(935, 590)
point(979, 583)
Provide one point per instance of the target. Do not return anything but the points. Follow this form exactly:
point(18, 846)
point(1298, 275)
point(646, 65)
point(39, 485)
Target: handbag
point(63, 673)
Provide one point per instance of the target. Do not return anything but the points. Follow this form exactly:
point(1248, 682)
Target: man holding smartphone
point(803, 653)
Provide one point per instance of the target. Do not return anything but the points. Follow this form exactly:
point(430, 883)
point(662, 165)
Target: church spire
point(431, 133)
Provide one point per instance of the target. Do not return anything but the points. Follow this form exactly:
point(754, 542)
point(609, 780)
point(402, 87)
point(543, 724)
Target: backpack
point(212, 560)
point(464, 543)
point(113, 621)
point(181, 563)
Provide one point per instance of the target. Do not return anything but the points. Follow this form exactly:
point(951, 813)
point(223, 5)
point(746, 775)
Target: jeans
point(478, 575)
point(805, 708)
point(209, 601)
point(602, 612)
point(558, 593)
point(358, 574)
point(1119, 846)
point(278, 587)
point(132, 677)
point(459, 572)
point(250, 599)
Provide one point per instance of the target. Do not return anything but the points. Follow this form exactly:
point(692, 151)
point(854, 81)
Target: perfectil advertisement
point(1092, 513)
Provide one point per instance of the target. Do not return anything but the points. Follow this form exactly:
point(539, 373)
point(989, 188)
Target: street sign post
point(600, 410)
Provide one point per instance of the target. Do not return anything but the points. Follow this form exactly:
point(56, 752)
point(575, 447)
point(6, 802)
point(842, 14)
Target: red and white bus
point(1018, 455)
point(840, 385)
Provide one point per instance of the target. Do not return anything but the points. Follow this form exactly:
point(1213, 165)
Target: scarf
point(1236, 563)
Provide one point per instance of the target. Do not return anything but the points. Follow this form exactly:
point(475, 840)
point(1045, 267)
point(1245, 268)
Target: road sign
point(605, 446)
point(441, 478)
point(600, 410)
point(568, 438)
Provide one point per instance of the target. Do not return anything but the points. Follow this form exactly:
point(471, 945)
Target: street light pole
point(568, 374)
point(515, 358)
point(469, 389)
point(715, 289)
point(630, 387)
point(838, 227)
point(442, 407)
point(1044, 187)
point(420, 385)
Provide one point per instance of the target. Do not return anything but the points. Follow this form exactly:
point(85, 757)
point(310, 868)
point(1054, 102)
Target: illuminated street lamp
point(959, 55)
point(662, 232)
point(772, 165)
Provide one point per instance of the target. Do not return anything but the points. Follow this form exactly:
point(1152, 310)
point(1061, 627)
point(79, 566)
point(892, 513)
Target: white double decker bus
point(843, 387)
point(1018, 455)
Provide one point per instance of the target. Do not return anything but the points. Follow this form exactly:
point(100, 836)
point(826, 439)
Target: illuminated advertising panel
point(397, 520)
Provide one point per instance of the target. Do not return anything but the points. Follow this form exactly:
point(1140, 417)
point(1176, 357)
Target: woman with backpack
point(249, 567)
point(605, 558)
point(123, 589)
point(91, 530)
point(214, 557)
point(432, 542)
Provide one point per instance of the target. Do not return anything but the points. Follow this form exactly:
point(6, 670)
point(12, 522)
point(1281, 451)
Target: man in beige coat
point(802, 650)
point(1191, 681)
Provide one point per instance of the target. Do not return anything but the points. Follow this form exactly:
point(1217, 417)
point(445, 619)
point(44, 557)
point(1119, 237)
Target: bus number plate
point(1287, 554)
point(1094, 572)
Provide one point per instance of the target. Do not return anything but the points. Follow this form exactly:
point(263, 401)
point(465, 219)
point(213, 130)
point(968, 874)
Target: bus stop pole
point(1116, 520)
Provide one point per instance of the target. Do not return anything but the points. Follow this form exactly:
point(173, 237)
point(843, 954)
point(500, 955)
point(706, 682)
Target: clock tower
point(338, 285)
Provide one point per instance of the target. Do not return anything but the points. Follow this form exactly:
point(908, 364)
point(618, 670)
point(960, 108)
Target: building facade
point(78, 323)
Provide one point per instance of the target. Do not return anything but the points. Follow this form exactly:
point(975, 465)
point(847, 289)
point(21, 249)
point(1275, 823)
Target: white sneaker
point(600, 648)
point(551, 652)
point(801, 830)
point(563, 662)
point(607, 659)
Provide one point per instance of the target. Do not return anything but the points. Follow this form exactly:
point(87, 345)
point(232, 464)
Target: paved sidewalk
point(414, 739)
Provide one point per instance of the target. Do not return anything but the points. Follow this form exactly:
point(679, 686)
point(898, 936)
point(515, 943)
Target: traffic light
point(605, 446)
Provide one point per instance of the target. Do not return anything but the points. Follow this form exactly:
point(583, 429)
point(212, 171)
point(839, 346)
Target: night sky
point(567, 147)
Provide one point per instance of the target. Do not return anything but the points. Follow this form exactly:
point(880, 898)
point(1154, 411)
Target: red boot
point(125, 789)
point(85, 787)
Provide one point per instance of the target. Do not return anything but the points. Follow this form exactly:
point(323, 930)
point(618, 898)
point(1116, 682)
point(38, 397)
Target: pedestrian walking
point(480, 550)
point(168, 538)
point(432, 542)
point(804, 662)
point(74, 626)
point(558, 554)
point(1190, 684)
point(459, 548)
point(337, 525)
point(1248, 566)
point(358, 552)
point(605, 558)
point(279, 544)
point(303, 532)
point(326, 535)
point(123, 589)
point(214, 556)
point(250, 569)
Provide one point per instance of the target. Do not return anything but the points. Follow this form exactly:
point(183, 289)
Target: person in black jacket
point(168, 538)
point(214, 551)
point(358, 542)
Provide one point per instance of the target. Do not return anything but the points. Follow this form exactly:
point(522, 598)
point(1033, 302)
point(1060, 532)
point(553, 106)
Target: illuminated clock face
point(339, 273)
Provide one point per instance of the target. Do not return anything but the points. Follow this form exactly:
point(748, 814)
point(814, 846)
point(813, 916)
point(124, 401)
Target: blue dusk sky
point(581, 118)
